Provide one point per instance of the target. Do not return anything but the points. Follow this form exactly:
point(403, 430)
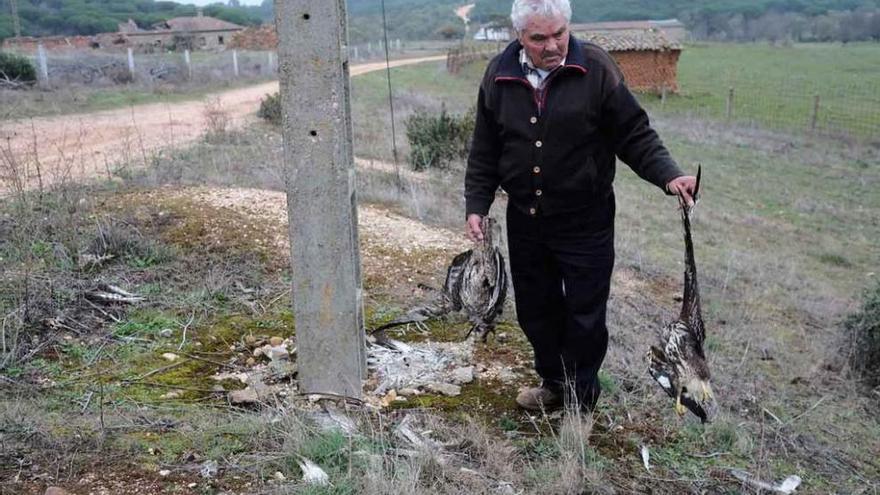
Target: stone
point(276, 341)
point(54, 490)
point(209, 469)
point(174, 394)
point(250, 340)
point(463, 375)
point(250, 361)
point(447, 389)
point(247, 395)
point(166, 332)
point(407, 392)
point(258, 352)
point(277, 353)
point(164, 472)
point(170, 356)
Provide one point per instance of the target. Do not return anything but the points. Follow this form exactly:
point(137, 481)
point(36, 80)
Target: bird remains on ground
point(476, 283)
point(679, 363)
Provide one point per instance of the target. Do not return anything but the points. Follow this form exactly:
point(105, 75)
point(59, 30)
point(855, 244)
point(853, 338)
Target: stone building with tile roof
point(196, 33)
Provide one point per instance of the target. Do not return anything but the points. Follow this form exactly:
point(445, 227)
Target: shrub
point(270, 109)
point(437, 139)
point(17, 68)
point(863, 328)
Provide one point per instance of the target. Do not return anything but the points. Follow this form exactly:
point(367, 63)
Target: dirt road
point(83, 145)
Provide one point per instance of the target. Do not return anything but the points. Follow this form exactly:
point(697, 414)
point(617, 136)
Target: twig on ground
point(156, 371)
point(814, 406)
point(192, 317)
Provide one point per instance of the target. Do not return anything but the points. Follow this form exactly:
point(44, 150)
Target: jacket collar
point(509, 66)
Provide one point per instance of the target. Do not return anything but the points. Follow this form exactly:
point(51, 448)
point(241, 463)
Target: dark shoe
point(538, 399)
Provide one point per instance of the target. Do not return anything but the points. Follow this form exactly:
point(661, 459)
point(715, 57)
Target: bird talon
point(679, 407)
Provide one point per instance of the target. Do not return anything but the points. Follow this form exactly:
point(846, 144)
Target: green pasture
point(778, 85)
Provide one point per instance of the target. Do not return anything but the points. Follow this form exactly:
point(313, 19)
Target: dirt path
point(71, 147)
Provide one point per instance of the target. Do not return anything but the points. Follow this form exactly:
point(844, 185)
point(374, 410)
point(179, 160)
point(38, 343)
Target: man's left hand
point(683, 186)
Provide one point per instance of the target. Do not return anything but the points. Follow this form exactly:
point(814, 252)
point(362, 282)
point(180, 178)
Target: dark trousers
point(561, 267)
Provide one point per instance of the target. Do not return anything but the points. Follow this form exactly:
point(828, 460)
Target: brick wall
point(649, 70)
point(255, 38)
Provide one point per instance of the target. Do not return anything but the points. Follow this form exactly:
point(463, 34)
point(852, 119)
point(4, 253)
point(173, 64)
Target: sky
point(208, 2)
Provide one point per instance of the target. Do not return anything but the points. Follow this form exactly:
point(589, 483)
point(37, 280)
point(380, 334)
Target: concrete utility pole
point(321, 200)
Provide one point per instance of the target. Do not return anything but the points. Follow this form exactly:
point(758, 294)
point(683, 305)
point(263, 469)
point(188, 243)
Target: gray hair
point(523, 9)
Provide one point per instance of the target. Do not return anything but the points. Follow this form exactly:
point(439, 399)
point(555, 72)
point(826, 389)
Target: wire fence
point(848, 109)
point(108, 68)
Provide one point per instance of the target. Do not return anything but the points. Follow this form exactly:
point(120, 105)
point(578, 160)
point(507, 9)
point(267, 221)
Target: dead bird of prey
point(476, 283)
point(679, 364)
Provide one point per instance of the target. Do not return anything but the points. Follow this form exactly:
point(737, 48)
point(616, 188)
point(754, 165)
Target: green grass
point(777, 85)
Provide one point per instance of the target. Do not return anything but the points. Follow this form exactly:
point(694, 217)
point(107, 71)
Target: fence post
point(131, 63)
point(189, 67)
point(235, 62)
point(44, 65)
point(397, 43)
point(356, 57)
point(663, 96)
point(814, 120)
point(271, 62)
point(730, 103)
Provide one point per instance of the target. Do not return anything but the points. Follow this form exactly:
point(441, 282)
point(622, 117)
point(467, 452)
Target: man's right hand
point(474, 230)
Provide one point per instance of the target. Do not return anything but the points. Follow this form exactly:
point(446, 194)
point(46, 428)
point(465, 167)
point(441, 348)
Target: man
point(553, 113)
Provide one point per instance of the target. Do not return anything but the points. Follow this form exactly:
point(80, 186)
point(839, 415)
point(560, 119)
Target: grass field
point(776, 86)
point(785, 239)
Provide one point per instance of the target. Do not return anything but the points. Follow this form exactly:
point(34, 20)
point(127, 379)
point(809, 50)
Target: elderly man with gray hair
point(553, 115)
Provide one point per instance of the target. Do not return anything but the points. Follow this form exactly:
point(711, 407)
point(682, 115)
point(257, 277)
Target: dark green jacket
point(553, 151)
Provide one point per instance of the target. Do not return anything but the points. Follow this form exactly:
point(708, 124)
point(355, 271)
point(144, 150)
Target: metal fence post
point(235, 63)
point(322, 204)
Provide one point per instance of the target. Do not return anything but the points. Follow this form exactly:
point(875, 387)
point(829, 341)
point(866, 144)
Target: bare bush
point(216, 120)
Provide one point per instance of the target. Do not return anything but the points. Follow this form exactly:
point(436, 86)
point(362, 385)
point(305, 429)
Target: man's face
point(545, 40)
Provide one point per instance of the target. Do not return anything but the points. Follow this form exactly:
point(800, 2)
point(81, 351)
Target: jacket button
point(533, 120)
point(532, 211)
point(536, 170)
point(538, 144)
point(539, 192)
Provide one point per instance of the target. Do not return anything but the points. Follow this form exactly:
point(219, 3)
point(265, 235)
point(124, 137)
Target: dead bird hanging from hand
point(679, 363)
point(476, 283)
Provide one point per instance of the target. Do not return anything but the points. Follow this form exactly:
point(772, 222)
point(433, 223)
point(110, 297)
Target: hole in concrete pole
point(313, 133)
point(307, 16)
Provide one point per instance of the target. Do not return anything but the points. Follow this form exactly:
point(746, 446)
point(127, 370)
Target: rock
point(174, 394)
point(245, 396)
point(170, 356)
point(279, 476)
point(258, 352)
point(277, 353)
point(463, 375)
point(250, 361)
point(282, 369)
point(447, 389)
point(166, 332)
point(502, 337)
point(54, 490)
point(164, 472)
point(276, 341)
point(250, 340)
point(407, 392)
point(209, 469)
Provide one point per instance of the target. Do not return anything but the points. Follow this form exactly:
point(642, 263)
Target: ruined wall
point(649, 70)
point(255, 38)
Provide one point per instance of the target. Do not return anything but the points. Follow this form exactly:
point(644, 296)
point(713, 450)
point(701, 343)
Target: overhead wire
point(391, 98)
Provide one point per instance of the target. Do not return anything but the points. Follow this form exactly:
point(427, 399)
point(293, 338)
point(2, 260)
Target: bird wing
point(662, 371)
point(452, 286)
point(499, 291)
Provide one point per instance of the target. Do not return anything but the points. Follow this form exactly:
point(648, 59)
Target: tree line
point(87, 17)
